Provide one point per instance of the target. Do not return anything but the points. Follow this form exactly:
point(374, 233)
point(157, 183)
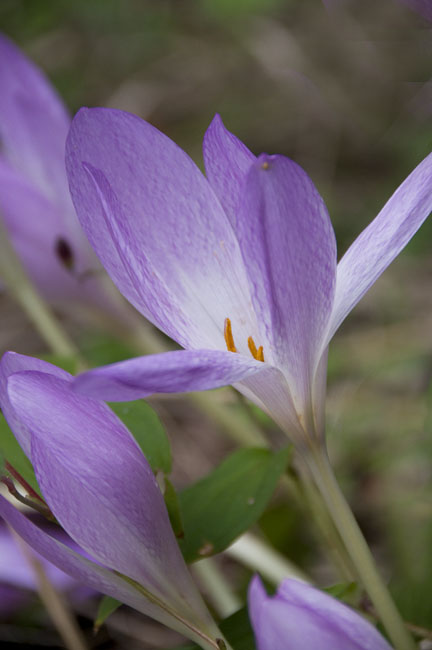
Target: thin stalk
point(253, 552)
point(216, 588)
point(55, 605)
point(357, 547)
point(326, 527)
point(22, 290)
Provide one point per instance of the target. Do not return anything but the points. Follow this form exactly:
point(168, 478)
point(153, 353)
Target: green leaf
point(173, 506)
point(11, 451)
point(346, 591)
point(70, 364)
point(147, 429)
point(107, 606)
point(222, 506)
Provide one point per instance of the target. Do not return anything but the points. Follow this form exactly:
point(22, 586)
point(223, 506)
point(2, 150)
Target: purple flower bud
point(300, 617)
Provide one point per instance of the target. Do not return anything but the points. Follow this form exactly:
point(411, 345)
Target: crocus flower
point(300, 617)
point(102, 491)
point(35, 203)
point(238, 267)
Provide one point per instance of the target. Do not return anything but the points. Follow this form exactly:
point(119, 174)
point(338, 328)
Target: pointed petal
point(11, 363)
point(157, 227)
point(384, 238)
point(84, 570)
point(33, 123)
point(107, 498)
point(180, 371)
point(300, 617)
point(227, 161)
point(289, 249)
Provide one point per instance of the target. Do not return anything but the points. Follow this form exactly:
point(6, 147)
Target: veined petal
point(227, 161)
point(107, 498)
point(300, 617)
point(86, 571)
point(158, 228)
point(33, 123)
point(384, 238)
point(270, 391)
point(289, 249)
point(11, 363)
point(180, 371)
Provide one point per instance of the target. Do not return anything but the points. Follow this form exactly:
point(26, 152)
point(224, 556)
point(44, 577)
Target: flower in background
point(102, 491)
point(300, 617)
point(239, 268)
point(17, 577)
point(35, 203)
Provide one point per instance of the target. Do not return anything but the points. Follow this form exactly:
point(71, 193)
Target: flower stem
point(326, 527)
point(356, 545)
point(258, 555)
point(56, 606)
point(216, 587)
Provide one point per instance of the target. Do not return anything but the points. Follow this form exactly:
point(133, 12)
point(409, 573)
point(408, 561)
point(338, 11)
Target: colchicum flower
point(239, 268)
point(300, 617)
point(101, 489)
point(35, 203)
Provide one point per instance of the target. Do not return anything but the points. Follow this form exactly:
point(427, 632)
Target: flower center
point(257, 353)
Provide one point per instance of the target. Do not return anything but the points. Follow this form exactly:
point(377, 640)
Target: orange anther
point(257, 354)
point(228, 335)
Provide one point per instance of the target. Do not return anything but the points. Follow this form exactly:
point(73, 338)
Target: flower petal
point(107, 498)
point(158, 228)
point(35, 227)
point(33, 123)
point(227, 161)
point(11, 363)
point(300, 617)
point(180, 371)
point(289, 249)
point(84, 570)
point(384, 238)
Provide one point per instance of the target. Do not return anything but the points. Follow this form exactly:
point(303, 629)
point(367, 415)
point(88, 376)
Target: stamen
point(257, 354)
point(228, 335)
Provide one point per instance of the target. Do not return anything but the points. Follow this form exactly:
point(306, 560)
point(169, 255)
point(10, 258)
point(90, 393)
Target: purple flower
point(35, 202)
point(102, 491)
point(239, 268)
point(300, 617)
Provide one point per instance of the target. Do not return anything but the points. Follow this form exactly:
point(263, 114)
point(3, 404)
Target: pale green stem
point(256, 554)
point(216, 587)
point(325, 526)
point(356, 545)
point(21, 289)
point(55, 605)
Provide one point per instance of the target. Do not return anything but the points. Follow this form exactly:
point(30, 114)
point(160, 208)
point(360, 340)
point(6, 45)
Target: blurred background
point(345, 88)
